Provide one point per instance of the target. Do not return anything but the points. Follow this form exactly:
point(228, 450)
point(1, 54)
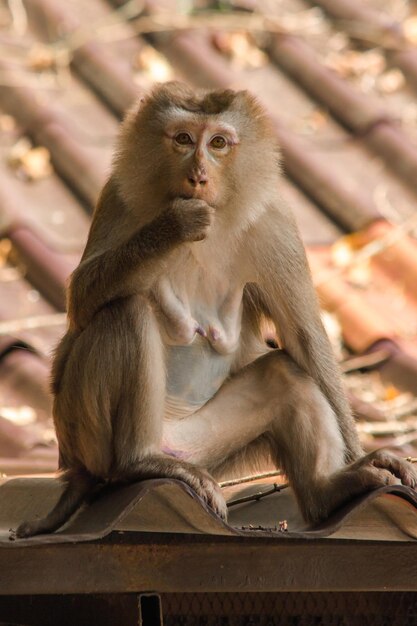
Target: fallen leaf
point(410, 29)
point(7, 123)
point(153, 64)
point(390, 81)
point(32, 163)
point(40, 58)
point(240, 48)
point(391, 392)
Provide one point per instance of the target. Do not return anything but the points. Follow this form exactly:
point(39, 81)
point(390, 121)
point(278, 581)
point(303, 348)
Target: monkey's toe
point(26, 529)
point(211, 493)
point(218, 504)
point(402, 469)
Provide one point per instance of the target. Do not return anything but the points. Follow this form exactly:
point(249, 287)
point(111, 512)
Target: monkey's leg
point(108, 412)
point(139, 405)
point(273, 401)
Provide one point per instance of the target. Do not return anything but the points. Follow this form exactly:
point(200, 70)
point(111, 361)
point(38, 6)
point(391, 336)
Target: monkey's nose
point(197, 179)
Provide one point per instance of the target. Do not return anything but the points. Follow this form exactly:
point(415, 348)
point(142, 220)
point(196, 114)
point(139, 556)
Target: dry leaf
point(344, 254)
point(341, 254)
point(153, 65)
point(389, 427)
point(344, 249)
point(37, 163)
point(7, 123)
point(40, 58)
point(338, 42)
point(29, 162)
point(5, 249)
point(240, 48)
point(352, 63)
point(410, 29)
point(334, 332)
point(360, 274)
point(19, 149)
point(391, 393)
point(316, 120)
point(283, 526)
point(21, 415)
point(409, 114)
point(390, 81)
point(319, 118)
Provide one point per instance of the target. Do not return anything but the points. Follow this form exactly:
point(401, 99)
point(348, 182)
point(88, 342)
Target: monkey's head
point(217, 146)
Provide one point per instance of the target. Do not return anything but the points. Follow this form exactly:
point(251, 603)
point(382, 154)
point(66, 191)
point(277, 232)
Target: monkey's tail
point(79, 485)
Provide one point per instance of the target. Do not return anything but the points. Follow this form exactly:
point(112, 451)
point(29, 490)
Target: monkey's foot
point(203, 484)
point(381, 468)
point(28, 529)
point(198, 479)
point(210, 492)
point(377, 469)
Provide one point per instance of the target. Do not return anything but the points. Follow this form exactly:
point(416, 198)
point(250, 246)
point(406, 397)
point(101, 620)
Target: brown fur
point(163, 370)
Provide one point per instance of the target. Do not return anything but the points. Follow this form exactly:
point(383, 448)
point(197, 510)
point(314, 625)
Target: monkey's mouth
point(198, 194)
point(186, 195)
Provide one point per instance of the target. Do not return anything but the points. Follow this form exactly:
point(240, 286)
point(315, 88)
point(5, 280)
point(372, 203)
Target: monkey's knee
point(279, 362)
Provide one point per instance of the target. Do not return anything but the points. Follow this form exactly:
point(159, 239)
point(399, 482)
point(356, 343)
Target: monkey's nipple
point(200, 331)
point(215, 334)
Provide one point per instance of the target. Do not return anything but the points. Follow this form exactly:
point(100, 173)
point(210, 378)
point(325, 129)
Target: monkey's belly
point(194, 374)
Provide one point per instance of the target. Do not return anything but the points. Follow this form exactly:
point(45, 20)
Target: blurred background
point(339, 79)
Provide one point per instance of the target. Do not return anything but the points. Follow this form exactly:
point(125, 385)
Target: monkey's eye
point(218, 142)
point(183, 139)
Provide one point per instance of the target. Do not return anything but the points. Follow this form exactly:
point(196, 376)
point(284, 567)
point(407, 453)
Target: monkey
point(164, 370)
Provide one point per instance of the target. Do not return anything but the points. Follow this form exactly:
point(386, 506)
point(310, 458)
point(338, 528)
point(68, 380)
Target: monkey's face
point(215, 146)
point(200, 154)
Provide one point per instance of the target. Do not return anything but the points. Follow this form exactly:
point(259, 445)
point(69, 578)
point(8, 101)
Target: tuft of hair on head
point(213, 102)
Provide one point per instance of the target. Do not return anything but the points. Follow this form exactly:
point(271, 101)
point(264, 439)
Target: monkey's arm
point(109, 275)
point(284, 280)
point(133, 265)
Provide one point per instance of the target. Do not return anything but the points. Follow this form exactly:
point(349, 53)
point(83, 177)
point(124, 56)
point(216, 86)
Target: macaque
point(164, 371)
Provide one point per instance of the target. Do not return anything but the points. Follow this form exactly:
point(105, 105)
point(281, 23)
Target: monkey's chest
point(194, 374)
point(201, 334)
point(197, 310)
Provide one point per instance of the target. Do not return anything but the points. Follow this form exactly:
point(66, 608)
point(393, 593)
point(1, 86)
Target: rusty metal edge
point(187, 563)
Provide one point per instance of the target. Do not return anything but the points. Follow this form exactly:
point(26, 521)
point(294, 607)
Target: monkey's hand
point(192, 218)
